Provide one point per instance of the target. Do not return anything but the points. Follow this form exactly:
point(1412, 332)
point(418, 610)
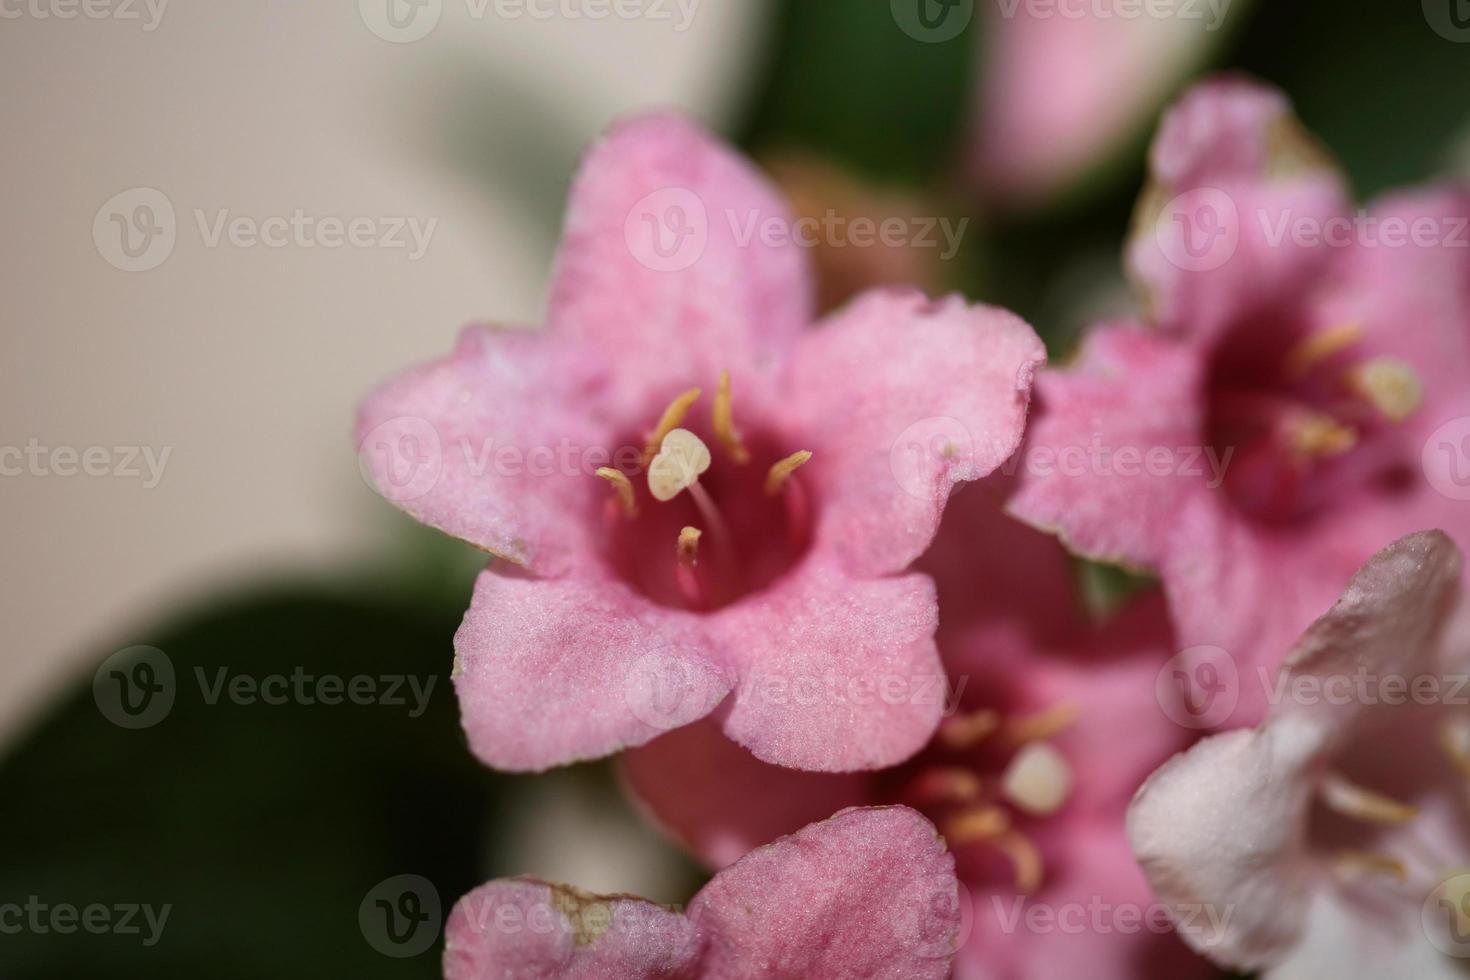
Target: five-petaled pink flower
point(698, 501)
point(867, 893)
point(1333, 840)
point(1296, 396)
point(1028, 781)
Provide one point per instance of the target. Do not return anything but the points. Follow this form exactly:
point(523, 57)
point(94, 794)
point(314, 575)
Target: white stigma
point(1038, 780)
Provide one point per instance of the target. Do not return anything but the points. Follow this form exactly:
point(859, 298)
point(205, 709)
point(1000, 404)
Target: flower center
point(1296, 424)
point(710, 514)
point(989, 782)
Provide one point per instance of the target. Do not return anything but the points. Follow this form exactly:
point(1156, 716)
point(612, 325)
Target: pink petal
point(836, 674)
point(720, 801)
point(720, 296)
point(903, 399)
point(1130, 391)
point(552, 672)
point(1058, 92)
point(523, 928)
point(1214, 249)
point(868, 893)
point(454, 443)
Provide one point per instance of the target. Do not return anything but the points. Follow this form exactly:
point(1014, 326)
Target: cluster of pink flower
point(791, 606)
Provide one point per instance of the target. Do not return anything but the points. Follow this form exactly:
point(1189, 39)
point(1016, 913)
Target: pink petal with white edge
point(553, 672)
point(868, 893)
point(452, 443)
point(1232, 177)
point(903, 399)
point(720, 801)
point(706, 295)
point(522, 929)
point(1224, 823)
point(836, 674)
point(1130, 390)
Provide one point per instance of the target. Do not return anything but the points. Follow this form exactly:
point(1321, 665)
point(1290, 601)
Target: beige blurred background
point(242, 361)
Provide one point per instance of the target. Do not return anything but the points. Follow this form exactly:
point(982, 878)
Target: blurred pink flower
point(657, 543)
point(867, 893)
point(1273, 420)
point(1028, 781)
point(1320, 838)
point(1065, 84)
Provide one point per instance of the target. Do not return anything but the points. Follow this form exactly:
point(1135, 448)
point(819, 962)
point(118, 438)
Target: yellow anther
point(682, 459)
point(1391, 385)
point(1042, 725)
point(1025, 858)
point(781, 471)
point(1038, 780)
point(1454, 740)
point(1354, 801)
point(689, 545)
point(1315, 435)
point(723, 420)
point(976, 825)
point(963, 731)
point(672, 418)
point(1357, 865)
point(1316, 348)
point(624, 488)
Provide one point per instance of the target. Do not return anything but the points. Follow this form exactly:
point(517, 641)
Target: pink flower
point(713, 562)
point(868, 893)
point(1028, 782)
point(1065, 85)
point(1333, 840)
point(1273, 420)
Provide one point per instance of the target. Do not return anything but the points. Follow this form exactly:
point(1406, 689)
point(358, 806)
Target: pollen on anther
point(672, 418)
point(624, 488)
point(781, 471)
point(723, 422)
point(689, 545)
